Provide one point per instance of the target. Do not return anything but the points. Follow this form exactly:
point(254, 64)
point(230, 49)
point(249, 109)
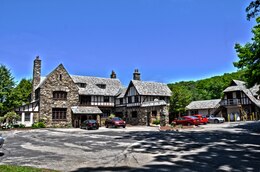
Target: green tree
point(20, 94)
point(11, 117)
point(253, 9)
point(6, 86)
point(249, 57)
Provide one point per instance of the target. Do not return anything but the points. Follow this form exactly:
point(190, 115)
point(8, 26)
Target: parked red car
point(203, 119)
point(187, 120)
point(115, 122)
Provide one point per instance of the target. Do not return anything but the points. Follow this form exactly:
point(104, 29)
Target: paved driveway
point(223, 147)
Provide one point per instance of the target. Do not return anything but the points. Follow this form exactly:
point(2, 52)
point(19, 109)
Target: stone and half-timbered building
point(61, 99)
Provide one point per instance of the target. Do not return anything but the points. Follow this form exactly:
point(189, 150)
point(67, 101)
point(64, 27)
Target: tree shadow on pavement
point(193, 151)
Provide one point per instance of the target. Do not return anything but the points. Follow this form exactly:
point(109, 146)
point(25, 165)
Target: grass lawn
point(13, 168)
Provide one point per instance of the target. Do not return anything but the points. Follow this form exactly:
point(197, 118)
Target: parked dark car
point(187, 120)
point(89, 124)
point(115, 122)
point(203, 119)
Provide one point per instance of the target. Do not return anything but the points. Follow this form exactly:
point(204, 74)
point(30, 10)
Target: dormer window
point(102, 86)
point(82, 85)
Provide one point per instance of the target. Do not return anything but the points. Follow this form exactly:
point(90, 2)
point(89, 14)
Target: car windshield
point(117, 119)
point(92, 121)
point(192, 117)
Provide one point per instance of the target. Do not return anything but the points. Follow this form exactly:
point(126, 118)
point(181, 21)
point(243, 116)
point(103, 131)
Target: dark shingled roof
point(122, 93)
point(112, 86)
point(151, 88)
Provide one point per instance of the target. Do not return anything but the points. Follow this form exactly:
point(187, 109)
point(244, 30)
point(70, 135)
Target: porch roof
point(154, 103)
point(86, 110)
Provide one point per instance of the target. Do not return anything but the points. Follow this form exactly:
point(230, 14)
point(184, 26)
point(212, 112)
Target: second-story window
point(136, 99)
point(85, 100)
point(121, 101)
point(59, 95)
point(130, 99)
point(106, 99)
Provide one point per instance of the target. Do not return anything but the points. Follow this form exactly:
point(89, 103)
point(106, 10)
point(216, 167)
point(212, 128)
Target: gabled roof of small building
point(151, 88)
point(204, 104)
point(112, 86)
point(237, 85)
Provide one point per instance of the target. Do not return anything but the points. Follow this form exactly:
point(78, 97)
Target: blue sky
point(167, 40)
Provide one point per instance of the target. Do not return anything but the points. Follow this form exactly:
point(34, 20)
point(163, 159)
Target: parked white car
point(214, 119)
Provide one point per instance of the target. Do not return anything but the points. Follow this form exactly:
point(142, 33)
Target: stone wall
point(144, 112)
point(58, 80)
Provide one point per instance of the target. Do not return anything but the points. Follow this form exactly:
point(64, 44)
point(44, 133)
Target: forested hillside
point(211, 88)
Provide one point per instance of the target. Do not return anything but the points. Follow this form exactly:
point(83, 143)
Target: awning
point(86, 110)
point(154, 103)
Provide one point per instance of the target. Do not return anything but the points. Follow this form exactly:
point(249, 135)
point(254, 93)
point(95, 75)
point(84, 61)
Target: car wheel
point(216, 121)
point(189, 124)
point(124, 126)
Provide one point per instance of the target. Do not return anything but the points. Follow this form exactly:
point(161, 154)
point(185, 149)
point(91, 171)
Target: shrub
point(38, 125)
point(21, 126)
point(112, 116)
point(16, 125)
point(156, 122)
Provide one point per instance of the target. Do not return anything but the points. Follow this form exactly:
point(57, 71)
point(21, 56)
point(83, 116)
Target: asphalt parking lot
point(212, 147)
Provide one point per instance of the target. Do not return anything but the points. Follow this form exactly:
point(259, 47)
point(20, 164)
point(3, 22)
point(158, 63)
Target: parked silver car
point(214, 119)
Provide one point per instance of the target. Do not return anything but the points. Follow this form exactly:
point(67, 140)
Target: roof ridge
point(93, 77)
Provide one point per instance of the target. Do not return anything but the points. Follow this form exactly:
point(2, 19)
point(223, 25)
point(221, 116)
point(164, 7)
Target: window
point(60, 77)
point(134, 114)
point(59, 114)
point(82, 85)
point(27, 116)
point(85, 100)
point(130, 99)
point(162, 98)
point(229, 95)
point(238, 95)
point(106, 99)
point(103, 86)
point(37, 94)
point(105, 114)
point(136, 99)
point(154, 113)
point(121, 101)
point(60, 95)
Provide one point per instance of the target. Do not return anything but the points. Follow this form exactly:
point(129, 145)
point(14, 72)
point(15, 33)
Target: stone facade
point(58, 80)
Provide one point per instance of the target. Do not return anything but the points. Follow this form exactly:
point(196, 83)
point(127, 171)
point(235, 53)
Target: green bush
point(156, 122)
point(38, 125)
point(21, 126)
point(16, 125)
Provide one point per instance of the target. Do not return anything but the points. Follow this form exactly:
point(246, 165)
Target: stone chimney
point(136, 75)
point(113, 75)
point(36, 75)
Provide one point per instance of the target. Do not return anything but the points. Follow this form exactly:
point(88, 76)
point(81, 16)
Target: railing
point(230, 102)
